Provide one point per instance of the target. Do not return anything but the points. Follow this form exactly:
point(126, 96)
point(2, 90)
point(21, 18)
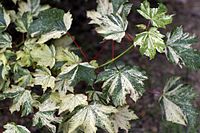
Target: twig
point(79, 47)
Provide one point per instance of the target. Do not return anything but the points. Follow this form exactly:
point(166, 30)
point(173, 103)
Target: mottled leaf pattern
point(22, 76)
point(111, 24)
point(44, 78)
point(78, 72)
point(4, 19)
point(64, 55)
point(150, 42)
point(179, 50)
point(71, 101)
point(121, 119)
point(22, 100)
point(177, 101)
point(157, 16)
point(13, 128)
point(5, 41)
point(121, 80)
point(54, 26)
point(23, 22)
point(44, 55)
point(45, 116)
point(32, 6)
point(89, 118)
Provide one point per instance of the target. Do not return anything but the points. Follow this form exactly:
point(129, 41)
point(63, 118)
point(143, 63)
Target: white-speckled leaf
point(120, 81)
point(150, 42)
point(4, 19)
point(111, 25)
point(173, 112)
point(23, 22)
point(50, 24)
point(44, 55)
point(179, 49)
point(13, 128)
point(4, 66)
point(89, 118)
point(32, 6)
point(62, 85)
point(177, 101)
point(78, 72)
point(5, 41)
point(44, 78)
point(22, 100)
point(121, 118)
point(46, 115)
point(157, 16)
point(22, 77)
point(70, 102)
point(64, 55)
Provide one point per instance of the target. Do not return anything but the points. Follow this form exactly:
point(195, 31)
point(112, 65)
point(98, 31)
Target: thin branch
point(120, 55)
point(79, 47)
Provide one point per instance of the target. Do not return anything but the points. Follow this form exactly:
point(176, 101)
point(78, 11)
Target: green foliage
point(111, 18)
point(6, 41)
point(22, 100)
point(42, 76)
point(51, 23)
point(150, 42)
point(157, 16)
point(177, 102)
point(13, 128)
point(89, 117)
point(5, 19)
point(23, 22)
point(46, 115)
point(122, 117)
point(121, 80)
point(77, 72)
point(179, 50)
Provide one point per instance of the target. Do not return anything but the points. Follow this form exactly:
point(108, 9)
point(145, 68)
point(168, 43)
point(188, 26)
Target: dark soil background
point(187, 13)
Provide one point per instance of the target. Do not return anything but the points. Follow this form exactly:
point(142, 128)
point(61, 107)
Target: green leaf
point(44, 78)
point(121, 7)
point(22, 76)
point(157, 16)
point(22, 100)
point(111, 25)
point(32, 6)
point(23, 22)
point(45, 116)
point(177, 101)
point(4, 66)
point(4, 84)
point(90, 117)
point(24, 58)
point(121, 119)
point(78, 72)
point(5, 41)
point(149, 42)
point(121, 80)
point(179, 50)
point(64, 55)
point(13, 128)
point(96, 96)
point(50, 24)
point(70, 102)
point(4, 19)
point(63, 85)
point(44, 55)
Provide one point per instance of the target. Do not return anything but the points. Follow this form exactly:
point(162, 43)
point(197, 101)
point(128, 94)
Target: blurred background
point(187, 14)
